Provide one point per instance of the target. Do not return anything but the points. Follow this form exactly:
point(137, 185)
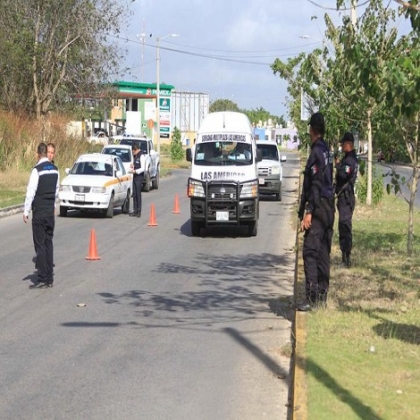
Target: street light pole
point(158, 86)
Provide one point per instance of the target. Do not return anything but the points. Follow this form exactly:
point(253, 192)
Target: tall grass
point(20, 136)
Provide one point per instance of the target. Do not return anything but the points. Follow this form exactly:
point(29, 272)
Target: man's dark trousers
point(345, 214)
point(316, 251)
point(43, 232)
point(137, 187)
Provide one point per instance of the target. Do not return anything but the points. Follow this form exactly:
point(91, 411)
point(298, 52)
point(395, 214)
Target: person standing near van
point(138, 166)
point(317, 216)
point(345, 178)
point(41, 194)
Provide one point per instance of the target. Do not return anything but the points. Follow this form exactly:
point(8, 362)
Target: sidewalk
point(8, 211)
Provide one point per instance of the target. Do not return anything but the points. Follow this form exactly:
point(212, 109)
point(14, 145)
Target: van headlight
point(98, 190)
point(275, 170)
point(195, 189)
point(249, 190)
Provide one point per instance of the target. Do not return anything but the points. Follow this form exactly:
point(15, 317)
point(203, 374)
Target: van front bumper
point(222, 204)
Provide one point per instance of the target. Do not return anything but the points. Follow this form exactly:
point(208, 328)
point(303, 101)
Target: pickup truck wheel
point(126, 206)
point(195, 228)
point(63, 211)
point(110, 209)
point(253, 228)
point(278, 195)
point(155, 182)
point(146, 186)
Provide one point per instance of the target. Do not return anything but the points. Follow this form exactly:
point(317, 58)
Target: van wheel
point(155, 182)
point(195, 228)
point(126, 206)
point(63, 211)
point(253, 228)
point(146, 186)
point(110, 210)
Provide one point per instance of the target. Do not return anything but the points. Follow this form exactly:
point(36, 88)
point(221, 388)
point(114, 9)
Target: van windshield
point(219, 153)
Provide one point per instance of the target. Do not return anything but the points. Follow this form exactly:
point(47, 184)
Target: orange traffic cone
point(152, 218)
point(93, 252)
point(176, 205)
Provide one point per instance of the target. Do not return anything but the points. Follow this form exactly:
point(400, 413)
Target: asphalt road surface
point(173, 327)
point(405, 172)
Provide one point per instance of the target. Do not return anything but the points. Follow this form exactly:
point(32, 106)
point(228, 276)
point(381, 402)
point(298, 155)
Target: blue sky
point(224, 47)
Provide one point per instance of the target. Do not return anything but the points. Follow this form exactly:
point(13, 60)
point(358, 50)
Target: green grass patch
point(363, 350)
point(11, 198)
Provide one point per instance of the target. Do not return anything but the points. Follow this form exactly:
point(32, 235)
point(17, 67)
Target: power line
point(215, 56)
point(334, 8)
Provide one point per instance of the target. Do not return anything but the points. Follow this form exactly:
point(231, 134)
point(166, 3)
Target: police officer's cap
point(317, 122)
point(347, 137)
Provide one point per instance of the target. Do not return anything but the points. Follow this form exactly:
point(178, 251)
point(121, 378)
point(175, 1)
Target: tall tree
point(223, 105)
point(55, 49)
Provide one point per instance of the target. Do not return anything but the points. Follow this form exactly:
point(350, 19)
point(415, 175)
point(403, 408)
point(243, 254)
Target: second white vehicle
point(123, 151)
point(270, 168)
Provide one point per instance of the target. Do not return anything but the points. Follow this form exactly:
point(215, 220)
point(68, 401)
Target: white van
point(223, 185)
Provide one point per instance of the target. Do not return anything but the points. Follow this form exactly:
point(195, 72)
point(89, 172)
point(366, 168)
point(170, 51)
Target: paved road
point(403, 171)
point(174, 327)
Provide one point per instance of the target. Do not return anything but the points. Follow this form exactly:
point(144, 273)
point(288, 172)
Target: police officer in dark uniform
point(41, 195)
point(346, 174)
point(137, 170)
point(316, 213)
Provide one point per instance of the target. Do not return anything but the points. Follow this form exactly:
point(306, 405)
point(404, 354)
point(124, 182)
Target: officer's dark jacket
point(346, 173)
point(317, 182)
point(43, 203)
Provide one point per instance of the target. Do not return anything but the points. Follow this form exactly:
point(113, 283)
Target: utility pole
point(353, 13)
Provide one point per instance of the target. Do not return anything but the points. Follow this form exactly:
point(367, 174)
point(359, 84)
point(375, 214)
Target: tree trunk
point(413, 189)
point(369, 168)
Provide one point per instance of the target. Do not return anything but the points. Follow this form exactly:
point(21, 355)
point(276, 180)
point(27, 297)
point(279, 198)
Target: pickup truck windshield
point(221, 153)
point(269, 152)
point(142, 144)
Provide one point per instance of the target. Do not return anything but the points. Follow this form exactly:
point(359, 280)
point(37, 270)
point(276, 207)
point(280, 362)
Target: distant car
point(124, 151)
point(270, 169)
point(96, 182)
point(99, 137)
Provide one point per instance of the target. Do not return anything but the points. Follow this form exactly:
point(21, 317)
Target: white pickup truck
point(152, 171)
point(270, 168)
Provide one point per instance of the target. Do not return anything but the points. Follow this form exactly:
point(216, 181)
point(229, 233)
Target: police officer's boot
point(322, 299)
point(348, 261)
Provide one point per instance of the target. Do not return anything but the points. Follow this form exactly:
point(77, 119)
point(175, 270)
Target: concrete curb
point(299, 385)
point(299, 334)
point(8, 211)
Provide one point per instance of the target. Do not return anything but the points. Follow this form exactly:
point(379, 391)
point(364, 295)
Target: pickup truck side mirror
point(282, 158)
point(118, 174)
point(67, 170)
point(259, 155)
point(188, 155)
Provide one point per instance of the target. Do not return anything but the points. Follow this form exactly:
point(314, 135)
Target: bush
point(377, 185)
point(177, 152)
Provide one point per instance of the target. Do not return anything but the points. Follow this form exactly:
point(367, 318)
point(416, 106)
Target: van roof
point(225, 121)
